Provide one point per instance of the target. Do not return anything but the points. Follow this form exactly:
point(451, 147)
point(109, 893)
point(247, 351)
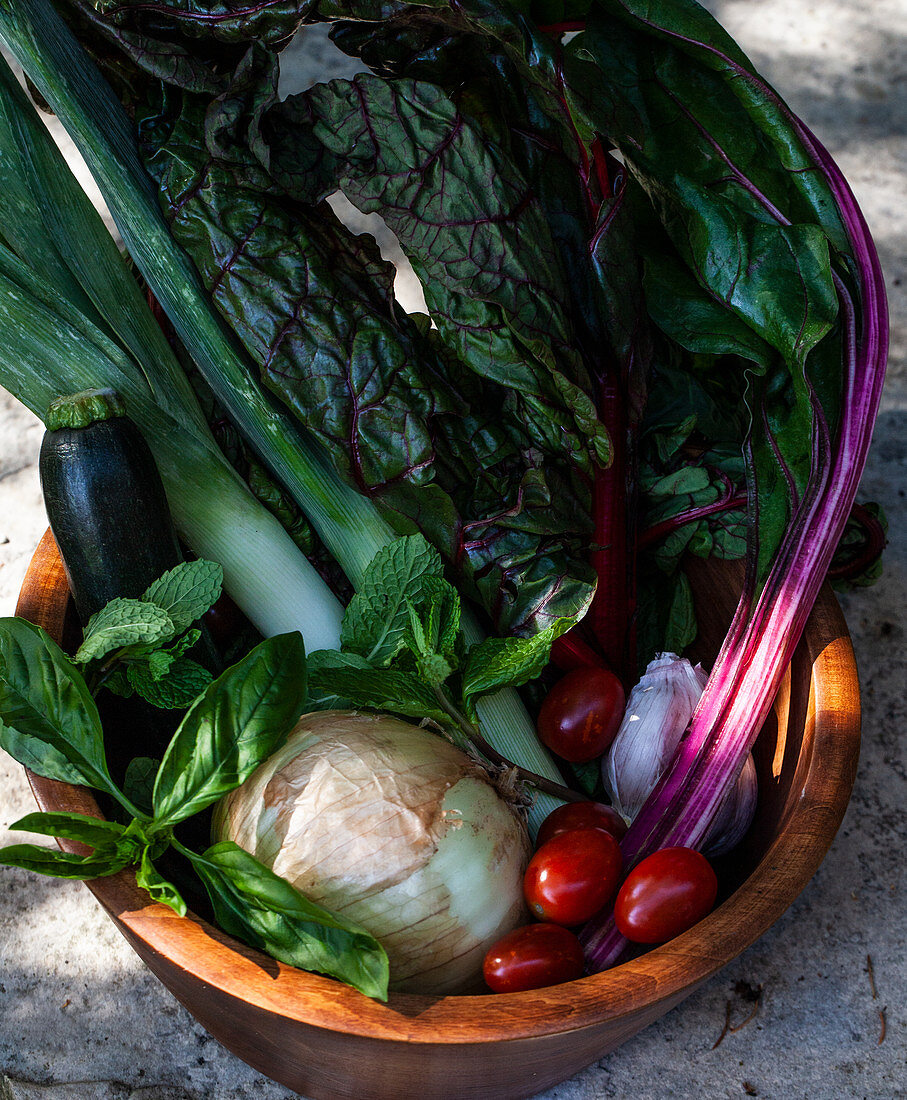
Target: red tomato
point(581, 815)
point(664, 895)
point(572, 876)
point(532, 957)
point(582, 713)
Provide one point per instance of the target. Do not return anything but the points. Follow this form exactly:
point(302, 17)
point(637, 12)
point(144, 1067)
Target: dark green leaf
point(240, 720)
point(508, 662)
point(255, 905)
point(138, 783)
point(320, 665)
point(48, 714)
point(379, 689)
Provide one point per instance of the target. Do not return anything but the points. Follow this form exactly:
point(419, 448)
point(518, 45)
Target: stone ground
point(80, 1018)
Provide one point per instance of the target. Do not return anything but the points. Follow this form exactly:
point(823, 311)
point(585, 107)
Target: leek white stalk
point(394, 828)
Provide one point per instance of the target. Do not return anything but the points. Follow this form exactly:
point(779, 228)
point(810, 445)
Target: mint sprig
point(139, 645)
point(403, 651)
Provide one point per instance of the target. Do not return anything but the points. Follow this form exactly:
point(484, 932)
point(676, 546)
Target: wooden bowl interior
point(310, 1033)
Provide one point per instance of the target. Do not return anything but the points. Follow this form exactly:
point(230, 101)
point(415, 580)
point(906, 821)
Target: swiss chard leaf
point(330, 342)
point(265, 911)
point(243, 716)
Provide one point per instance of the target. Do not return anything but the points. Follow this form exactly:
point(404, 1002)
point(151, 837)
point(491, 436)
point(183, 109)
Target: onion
point(394, 828)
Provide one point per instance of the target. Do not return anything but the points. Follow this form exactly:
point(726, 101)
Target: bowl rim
point(663, 974)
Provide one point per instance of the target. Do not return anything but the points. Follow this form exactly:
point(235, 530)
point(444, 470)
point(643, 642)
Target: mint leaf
point(379, 689)
point(321, 695)
point(124, 623)
point(377, 616)
point(508, 662)
point(187, 591)
point(118, 683)
point(138, 783)
point(177, 687)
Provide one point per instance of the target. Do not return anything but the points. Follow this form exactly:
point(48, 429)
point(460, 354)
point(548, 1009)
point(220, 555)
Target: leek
point(200, 489)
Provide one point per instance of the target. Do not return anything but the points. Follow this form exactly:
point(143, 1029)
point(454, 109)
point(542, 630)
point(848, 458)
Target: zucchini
point(105, 500)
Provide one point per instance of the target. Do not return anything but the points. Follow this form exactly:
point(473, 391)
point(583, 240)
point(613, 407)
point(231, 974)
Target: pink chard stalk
point(770, 620)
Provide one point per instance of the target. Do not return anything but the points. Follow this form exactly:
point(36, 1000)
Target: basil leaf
point(266, 912)
point(148, 877)
point(243, 716)
point(376, 618)
point(508, 662)
point(123, 623)
point(39, 757)
point(50, 861)
point(47, 711)
point(187, 591)
point(93, 831)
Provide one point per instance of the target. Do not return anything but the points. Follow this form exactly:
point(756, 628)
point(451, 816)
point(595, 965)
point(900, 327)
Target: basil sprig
point(50, 723)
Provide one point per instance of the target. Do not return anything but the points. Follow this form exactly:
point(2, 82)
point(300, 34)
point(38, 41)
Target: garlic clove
point(658, 711)
point(735, 815)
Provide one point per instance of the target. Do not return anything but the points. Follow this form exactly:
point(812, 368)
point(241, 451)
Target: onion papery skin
point(392, 827)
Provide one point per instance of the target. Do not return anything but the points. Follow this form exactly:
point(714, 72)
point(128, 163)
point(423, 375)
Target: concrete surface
point(80, 1019)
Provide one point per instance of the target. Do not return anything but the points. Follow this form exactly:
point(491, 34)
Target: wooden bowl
point(324, 1040)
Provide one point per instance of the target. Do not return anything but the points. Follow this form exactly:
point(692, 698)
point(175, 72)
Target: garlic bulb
point(658, 711)
point(735, 815)
point(392, 827)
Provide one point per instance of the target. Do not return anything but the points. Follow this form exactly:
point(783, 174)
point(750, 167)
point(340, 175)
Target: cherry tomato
point(664, 895)
point(531, 957)
point(582, 714)
point(572, 876)
point(581, 815)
